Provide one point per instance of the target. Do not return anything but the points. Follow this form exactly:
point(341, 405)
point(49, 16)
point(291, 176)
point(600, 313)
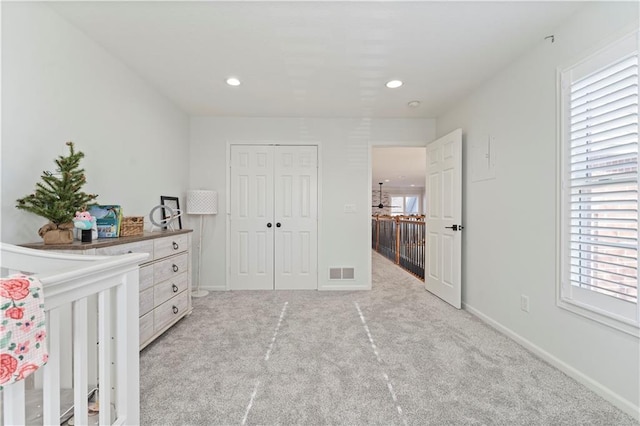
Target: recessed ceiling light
point(232, 81)
point(386, 180)
point(413, 104)
point(394, 84)
point(412, 184)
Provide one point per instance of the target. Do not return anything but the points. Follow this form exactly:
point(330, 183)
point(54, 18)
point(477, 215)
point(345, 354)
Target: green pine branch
point(58, 197)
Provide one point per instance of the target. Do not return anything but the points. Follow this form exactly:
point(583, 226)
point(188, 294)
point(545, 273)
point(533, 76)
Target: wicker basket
point(131, 226)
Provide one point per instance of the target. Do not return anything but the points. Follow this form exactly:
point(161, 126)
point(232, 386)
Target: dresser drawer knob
point(174, 287)
point(175, 268)
point(175, 246)
point(175, 309)
point(130, 251)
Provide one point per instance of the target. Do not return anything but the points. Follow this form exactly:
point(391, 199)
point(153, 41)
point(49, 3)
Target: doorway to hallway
point(399, 205)
point(440, 243)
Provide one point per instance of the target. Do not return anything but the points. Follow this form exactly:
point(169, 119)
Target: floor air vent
point(341, 273)
point(347, 273)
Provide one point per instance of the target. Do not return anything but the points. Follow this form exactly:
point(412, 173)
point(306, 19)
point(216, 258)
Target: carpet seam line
point(380, 364)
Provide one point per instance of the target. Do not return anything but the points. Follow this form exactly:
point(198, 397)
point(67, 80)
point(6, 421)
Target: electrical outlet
point(524, 303)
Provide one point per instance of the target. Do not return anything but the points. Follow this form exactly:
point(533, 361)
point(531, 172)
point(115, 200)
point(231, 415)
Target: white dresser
point(165, 277)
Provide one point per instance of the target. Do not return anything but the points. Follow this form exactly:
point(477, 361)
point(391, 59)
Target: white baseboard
point(214, 288)
point(343, 287)
point(625, 405)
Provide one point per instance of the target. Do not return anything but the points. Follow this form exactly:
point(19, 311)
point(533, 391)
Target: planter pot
point(57, 234)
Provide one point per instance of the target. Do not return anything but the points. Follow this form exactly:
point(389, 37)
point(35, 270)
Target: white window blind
point(604, 180)
point(598, 235)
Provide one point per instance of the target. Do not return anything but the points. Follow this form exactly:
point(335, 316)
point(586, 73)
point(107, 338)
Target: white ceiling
point(316, 58)
point(402, 167)
point(319, 58)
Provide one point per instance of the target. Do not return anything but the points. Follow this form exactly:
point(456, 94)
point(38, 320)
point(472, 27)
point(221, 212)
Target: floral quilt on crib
point(23, 331)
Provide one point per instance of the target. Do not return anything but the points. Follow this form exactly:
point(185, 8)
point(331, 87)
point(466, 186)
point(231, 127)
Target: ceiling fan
point(382, 206)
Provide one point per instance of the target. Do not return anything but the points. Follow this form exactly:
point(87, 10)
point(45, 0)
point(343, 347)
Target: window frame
point(616, 313)
point(404, 195)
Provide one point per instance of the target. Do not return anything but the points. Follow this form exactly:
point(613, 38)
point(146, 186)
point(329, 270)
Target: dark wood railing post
point(397, 240)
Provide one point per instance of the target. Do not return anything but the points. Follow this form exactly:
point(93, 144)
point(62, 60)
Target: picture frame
point(174, 204)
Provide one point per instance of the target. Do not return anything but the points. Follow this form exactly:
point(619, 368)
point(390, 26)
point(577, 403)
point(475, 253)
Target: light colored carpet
point(408, 359)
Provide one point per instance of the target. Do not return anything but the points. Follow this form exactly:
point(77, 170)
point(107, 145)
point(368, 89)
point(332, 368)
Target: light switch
point(349, 208)
point(483, 156)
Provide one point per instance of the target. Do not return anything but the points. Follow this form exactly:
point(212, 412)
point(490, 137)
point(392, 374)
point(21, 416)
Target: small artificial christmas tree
point(58, 197)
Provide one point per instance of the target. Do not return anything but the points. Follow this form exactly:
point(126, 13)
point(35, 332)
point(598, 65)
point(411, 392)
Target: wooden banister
point(401, 239)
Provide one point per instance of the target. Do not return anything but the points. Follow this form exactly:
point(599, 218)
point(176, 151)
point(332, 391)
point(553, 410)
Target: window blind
point(603, 180)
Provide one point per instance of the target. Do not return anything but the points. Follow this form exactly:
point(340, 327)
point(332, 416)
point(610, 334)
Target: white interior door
point(296, 217)
point(273, 217)
point(444, 218)
point(251, 218)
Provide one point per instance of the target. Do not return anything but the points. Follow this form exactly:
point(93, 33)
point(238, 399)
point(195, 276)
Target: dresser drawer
point(146, 301)
point(146, 277)
point(167, 289)
point(164, 278)
point(171, 267)
point(163, 247)
point(137, 247)
point(170, 311)
point(146, 327)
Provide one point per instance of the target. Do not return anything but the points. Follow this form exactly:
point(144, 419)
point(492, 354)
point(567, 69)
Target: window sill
point(625, 326)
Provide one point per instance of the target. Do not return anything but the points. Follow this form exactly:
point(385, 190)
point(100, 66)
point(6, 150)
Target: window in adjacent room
point(405, 205)
point(599, 186)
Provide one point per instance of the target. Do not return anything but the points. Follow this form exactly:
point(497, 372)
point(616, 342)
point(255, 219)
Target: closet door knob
point(278, 225)
point(269, 225)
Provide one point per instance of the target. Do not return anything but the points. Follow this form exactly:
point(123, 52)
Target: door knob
point(455, 227)
point(278, 225)
point(269, 225)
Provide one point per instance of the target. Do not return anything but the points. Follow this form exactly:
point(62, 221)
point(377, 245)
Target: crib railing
point(73, 283)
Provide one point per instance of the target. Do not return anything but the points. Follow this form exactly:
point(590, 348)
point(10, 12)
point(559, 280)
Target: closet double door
point(273, 217)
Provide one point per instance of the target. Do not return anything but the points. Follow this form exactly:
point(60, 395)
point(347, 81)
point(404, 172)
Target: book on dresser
point(164, 279)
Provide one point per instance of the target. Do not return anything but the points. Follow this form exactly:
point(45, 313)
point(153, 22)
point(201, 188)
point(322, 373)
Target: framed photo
point(174, 204)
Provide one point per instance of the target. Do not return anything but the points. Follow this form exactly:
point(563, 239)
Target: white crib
point(88, 299)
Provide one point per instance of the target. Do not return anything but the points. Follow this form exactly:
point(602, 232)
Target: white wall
point(344, 175)
point(58, 85)
point(509, 242)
